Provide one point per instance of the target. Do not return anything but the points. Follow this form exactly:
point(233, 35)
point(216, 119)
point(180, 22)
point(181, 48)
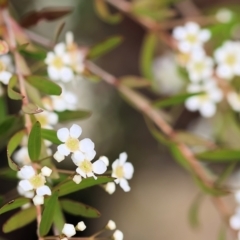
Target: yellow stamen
point(119, 172)
point(86, 166)
point(37, 181)
point(57, 62)
point(72, 144)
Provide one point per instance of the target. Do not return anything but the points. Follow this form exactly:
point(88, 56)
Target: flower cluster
point(69, 230)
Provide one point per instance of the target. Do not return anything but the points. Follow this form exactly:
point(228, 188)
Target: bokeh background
point(162, 192)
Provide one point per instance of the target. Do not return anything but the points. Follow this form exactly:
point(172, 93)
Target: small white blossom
point(71, 143)
point(200, 66)
point(38, 200)
point(122, 171)
point(58, 156)
point(228, 59)
point(224, 15)
point(46, 171)
point(234, 101)
point(81, 226)
point(205, 102)
point(118, 235)
point(33, 181)
point(190, 37)
point(77, 179)
point(68, 230)
point(111, 225)
point(47, 119)
point(21, 156)
point(27, 194)
point(58, 64)
point(105, 160)
point(234, 220)
point(110, 187)
point(6, 68)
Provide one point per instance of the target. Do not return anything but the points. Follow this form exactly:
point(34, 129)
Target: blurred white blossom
point(47, 119)
point(224, 15)
point(110, 187)
point(6, 68)
point(117, 235)
point(234, 101)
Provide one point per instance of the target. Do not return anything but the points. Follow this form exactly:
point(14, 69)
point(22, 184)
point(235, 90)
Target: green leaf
point(147, 54)
point(222, 234)
point(226, 173)
point(39, 55)
point(34, 95)
point(3, 108)
point(22, 46)
point(50, 135)
point(44, 85)
point(11, 93)
point(20, 219)
point(175, 100)
point(11, 147)
point(58, 217)
point(70, 186)
point(34, 142)
point(8, 173)
point(48, 213)
point(72, 115)
point(58, 32)
point(79, 209)
point(31, 109)
point(14, 204)
point(220, 155)
point(104, 13)
point(105, 47)
point(134, 82)
point(193, 214)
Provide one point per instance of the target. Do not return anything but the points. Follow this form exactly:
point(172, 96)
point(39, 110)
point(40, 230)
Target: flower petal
point(122, 158)
point(43, 190)
point(27, 172)
point(77, 157)
point(25, 185)
point(90, 155)
point(124, 185)
point(75, 131)
point(62, 149)
point(80, 172)
point(99, 167)
point(128, 170)
point(38, 200)
point(63, 134)
point(86, 145)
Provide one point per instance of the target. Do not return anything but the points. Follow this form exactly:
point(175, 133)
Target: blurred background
point(161, 191)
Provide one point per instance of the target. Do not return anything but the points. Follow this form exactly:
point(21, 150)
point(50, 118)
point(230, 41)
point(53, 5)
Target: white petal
point(44, 190)
point(86, 145)
point(208, 109)
point(81, 226)
point(46, 171)
point(99, 167)
point(25, 185)
point(122, 158)
point(110, 187)
point(105, 160)
point(60, 49)
point(75, 131)
point(63, 150)
point(5, 77)
point(52, 118)
point(53, 73)
point(128, 170)
point(179, 33)
point(117, 235)
point(90, 155)
point(223, 71)
point(192, 103)
point(68, 230)
point(38, 200)
point(66, 74)
point(77, 179)
point(63, 134)
point(124, 185)
point(192, 27)
point(115, 164)
point(49, 58)
point(204, 35)
point(184, 47)
point(77, 157)
point(234, 222)
point(27, 172)
point(58, 156)
point(80, 172)
point(111, 225)
point(69, 38)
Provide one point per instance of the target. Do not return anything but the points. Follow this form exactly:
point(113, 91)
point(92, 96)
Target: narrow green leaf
point(3, 109)
point(193, 214)
point(79, 209)
point(70, 186)
point(134, 82)
point(226, 173)
point(8, 173)
point(34, 95)
point(220, 155)
point(22, 47)
point(44, 85)
point(105, 47)
point(58, 217)
point(50, 135)
point(11, 93)
point(11, 147)
point(39, 55)
point(20, 219)
point(58, 32)
point(31, 109)
point(48, 213)
point(222, 234)
point(104, 13)
point(72, 115)
point(34, 142)
point(14, 204)
point(175, 100)
point(147, 54)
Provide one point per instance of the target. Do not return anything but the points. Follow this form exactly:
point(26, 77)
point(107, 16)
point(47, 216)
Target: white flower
point(85, 167)
point(105, 160)
point(33, 181)
point(81, 226)
point(68, 230)
point(58, 62)
point(77, 179)
point(118, 235)
point(110, 187)
point(46, 171)
point(47, 119)
point(21, 156)
point(111, 225)
point(205, 102)
point(71, 143)
point(27, 194)
point(224, 15)
point(228, 59)
point(200, 66)
point(122, 171)
point(58, 156)
point(234, 101)
point(234, 220)
point(38, 200)
point(6, 68)
point(190, 36)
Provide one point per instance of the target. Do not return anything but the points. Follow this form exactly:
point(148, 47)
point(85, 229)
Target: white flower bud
point(110, 187)
point(118, 235)
point(46, 171)
point(111, 225)
point(77, 179)
point(58, 157)
point(38, 200)
point(68, 230)
point(105, 160)
point(81, 226)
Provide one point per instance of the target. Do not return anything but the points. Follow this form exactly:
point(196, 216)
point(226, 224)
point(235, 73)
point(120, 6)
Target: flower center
point(2, 66)
point(37, 181)
point(199, 66)
point(203, 97)
point(72, 144)
point(57, 62)
point(119, 172)
point(86, 166)
point(191, 38)
point(231, 59)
